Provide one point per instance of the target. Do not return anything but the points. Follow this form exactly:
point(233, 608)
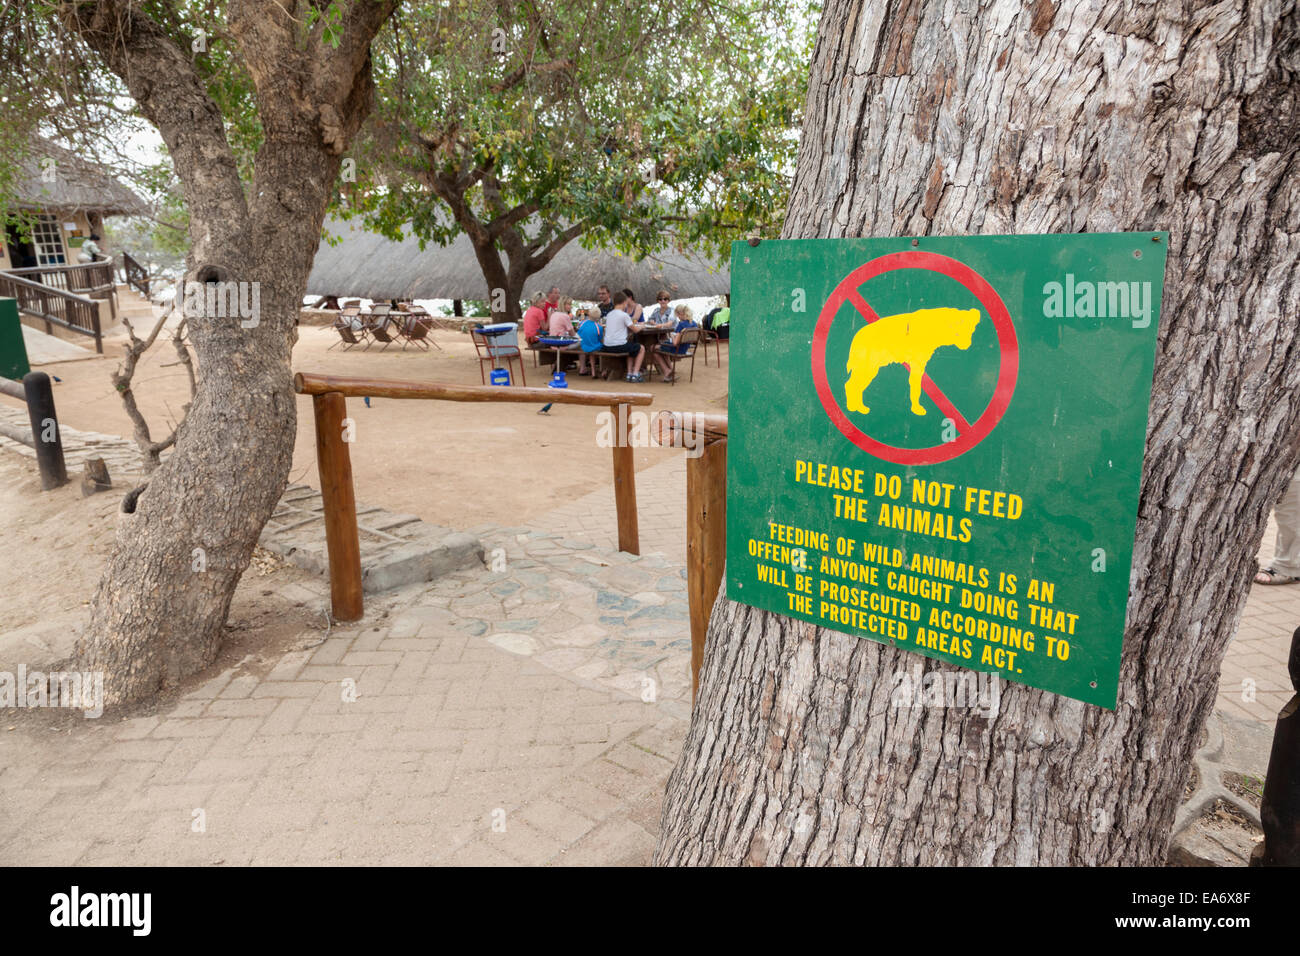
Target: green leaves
point(652, 122)
point(327, 22)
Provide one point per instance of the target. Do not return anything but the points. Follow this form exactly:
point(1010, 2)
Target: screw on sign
point(892, 339)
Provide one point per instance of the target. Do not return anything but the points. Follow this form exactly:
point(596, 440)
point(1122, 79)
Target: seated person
point(631, 307)
point(534, 316)
point(618, 337)
point(588, 341)
point(674, 345)
point(663, 314)
point(560, 321)
point(604, 304)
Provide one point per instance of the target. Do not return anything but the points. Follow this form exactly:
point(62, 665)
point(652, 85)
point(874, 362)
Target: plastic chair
point(711, 336)
point(496, 342)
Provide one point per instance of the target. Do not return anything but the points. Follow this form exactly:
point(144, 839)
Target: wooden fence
point(329, 394)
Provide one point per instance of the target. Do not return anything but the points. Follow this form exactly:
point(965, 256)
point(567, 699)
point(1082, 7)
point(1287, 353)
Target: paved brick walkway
point(660, 506)
point(451, 726)
point(1254, 683)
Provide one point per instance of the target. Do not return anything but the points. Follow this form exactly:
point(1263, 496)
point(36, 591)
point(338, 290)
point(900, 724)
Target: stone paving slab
point(660, 508)
point(121, 455)
point(396, 549)
point(615, 619)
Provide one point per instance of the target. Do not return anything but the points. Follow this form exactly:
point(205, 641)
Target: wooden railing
point(136, 275)
point(52, 305)
point(706, 515)
point(86, 278)
point(342, 541)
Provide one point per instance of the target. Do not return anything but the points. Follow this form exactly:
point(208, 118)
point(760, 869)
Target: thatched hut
point(66, 199)
point(355, 262)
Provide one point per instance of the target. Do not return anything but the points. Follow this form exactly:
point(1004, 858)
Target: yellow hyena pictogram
point(910, 339)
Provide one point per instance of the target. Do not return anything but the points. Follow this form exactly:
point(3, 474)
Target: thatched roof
point(370, 266)
point(78, 185)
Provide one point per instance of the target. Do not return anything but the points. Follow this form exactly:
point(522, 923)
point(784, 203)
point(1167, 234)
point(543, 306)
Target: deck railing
point(136, 275)
point(85, 278)
point(53, 305)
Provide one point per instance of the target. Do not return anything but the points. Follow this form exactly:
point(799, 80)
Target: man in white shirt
point(90, 251)
point(618, 326)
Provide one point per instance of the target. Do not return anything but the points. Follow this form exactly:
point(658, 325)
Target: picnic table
point(607, 363)
point(544, 354)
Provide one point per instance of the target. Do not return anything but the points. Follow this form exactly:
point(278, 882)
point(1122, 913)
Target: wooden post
point(706, 543)
point(629, 538)
point(46, 437)
point(341, 538)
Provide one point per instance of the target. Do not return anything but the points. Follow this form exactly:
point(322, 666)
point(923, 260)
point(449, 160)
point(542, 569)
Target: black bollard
point(1280, 808)
point(45, 430)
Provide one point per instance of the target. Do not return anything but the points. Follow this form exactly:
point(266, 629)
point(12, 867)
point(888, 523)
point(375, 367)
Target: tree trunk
point(497, 277)
point(186, 539)
point(1034, 118)
point(187, 536)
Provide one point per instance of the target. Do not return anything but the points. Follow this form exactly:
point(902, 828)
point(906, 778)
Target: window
point(48, 241)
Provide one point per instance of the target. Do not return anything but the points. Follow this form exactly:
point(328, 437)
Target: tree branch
point(540, 260)
point(172, 96)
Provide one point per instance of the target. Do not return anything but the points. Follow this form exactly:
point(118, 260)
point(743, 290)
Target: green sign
point(13, 350)
point(937, 443)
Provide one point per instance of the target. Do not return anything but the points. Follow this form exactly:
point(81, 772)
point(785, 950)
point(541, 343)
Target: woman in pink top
point(561, 318)
point(534, 316)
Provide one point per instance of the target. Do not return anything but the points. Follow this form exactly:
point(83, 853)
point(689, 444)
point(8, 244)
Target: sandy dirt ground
point(58, 542)
point(453, 464)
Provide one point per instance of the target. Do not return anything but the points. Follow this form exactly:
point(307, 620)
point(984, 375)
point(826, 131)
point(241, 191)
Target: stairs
point(136, 309)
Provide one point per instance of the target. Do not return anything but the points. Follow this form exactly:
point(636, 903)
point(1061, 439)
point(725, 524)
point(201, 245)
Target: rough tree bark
point(161, 606)
point(1031, 118)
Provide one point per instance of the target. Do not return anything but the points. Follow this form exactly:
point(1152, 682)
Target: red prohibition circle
point(1009, 352)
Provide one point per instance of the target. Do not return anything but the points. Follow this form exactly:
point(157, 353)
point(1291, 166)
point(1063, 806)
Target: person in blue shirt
point(589, 341)
point(675, 345)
